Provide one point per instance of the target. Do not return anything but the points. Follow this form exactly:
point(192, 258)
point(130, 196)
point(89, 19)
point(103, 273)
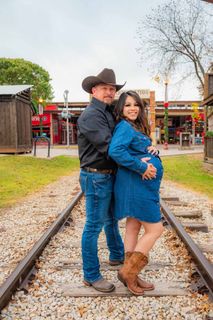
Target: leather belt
point(104, 171)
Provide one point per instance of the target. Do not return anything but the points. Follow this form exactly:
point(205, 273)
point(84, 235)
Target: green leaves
point(20, 71)
point(209, 134)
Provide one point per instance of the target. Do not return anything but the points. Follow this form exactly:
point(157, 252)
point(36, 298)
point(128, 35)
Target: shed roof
point(13, 89)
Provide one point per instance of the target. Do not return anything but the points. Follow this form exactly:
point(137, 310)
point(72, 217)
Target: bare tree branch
point(176, 33)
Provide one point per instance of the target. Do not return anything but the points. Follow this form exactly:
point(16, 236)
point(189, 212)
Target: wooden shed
point(15, 119)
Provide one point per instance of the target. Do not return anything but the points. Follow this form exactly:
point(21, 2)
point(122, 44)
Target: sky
point(73, 39)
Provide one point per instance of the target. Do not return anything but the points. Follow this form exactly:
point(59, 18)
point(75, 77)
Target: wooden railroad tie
point(104, 266)
point(189, 214)
point(170, 198)
point(161, 289)
point(192, 225)
point(178, 203)
point(197, 226)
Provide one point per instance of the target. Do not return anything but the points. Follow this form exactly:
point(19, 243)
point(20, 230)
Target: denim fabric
point(98, 190)
point(134, 197)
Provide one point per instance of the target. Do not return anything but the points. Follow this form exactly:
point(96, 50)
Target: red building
point(183, 116)
point(54, 123)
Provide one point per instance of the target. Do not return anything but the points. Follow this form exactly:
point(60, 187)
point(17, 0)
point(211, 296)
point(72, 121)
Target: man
point(95, 127)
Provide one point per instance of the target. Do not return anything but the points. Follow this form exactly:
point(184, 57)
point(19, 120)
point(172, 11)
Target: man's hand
point(153, 150)
point(150, 172)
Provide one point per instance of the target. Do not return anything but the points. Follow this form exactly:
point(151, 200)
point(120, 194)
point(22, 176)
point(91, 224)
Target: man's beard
point(108, 100)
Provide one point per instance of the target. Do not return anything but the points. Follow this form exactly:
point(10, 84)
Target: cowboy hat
point(106, 76)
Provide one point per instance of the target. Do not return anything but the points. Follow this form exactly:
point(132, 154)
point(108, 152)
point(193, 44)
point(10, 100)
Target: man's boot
point(128, 273)
point(115, 262)
point(146, 286)
point(101, 285)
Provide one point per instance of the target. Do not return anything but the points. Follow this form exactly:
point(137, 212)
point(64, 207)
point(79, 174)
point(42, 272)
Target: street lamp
point(66, 92)
point(166, 105)
point(40, 111)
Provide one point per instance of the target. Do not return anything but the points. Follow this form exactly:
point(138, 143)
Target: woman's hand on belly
point(154, 160)
point(150, 172)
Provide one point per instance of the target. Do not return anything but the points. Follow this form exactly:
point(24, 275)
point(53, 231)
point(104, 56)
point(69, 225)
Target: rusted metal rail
point(25, 267)
point(204, 267)
point(21, 272)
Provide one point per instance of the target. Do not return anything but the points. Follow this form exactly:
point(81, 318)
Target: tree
point(176, 37)
point(20, 71)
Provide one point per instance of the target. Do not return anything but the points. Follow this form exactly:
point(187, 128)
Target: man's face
point(104, 93)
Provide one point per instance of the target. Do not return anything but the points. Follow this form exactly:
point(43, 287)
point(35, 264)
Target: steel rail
point(22, 270)
point(204, 266)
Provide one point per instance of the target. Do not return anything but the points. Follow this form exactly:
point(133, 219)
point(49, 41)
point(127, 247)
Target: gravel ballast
point(46, 300)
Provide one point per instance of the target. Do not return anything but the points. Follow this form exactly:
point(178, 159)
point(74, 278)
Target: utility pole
point(166, 105)
point(66, 92)
point(40, 111)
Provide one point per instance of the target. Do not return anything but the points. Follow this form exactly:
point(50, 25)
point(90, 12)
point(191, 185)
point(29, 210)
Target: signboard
point(51, 107)
point(143, 93)
point(45, 119)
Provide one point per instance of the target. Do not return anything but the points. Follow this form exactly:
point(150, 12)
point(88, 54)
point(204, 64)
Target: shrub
point(209, 134)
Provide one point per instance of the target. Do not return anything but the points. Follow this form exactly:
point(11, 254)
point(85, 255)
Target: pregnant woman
point(136, 188)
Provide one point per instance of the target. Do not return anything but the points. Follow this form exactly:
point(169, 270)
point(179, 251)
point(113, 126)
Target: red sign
point(45, 119)
point(51, 107)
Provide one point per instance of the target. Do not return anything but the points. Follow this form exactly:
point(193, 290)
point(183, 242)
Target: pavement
point(174, 149)
point(41, 151)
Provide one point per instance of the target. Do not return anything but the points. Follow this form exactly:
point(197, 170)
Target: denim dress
point(134, 197)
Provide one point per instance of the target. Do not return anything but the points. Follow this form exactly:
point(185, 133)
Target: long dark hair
point(141, 123)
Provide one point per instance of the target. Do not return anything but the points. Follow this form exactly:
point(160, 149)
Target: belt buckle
point(109, 171)
point(104, 171)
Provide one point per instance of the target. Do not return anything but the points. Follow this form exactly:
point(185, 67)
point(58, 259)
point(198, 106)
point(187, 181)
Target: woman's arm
point(118, 149)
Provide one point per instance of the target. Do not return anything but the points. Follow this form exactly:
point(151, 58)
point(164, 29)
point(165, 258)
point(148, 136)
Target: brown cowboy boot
point(146, 286)
point(128, 273)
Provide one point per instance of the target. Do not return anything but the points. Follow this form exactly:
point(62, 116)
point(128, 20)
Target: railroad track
point(56, 266)
point(204, 267)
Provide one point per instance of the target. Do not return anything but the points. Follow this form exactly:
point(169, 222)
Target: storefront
point(186, 116)
point(53, 125)
point(41, 124)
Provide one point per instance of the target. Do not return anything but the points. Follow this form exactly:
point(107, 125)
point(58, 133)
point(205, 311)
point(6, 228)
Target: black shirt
point(95, 127)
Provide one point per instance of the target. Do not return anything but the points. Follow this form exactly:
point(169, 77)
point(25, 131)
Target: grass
point(20, 176)
point(188, 171)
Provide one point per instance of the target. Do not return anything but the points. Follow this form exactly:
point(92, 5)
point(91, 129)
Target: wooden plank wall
point(8, 126)
point(24, 125)
point(15, 124)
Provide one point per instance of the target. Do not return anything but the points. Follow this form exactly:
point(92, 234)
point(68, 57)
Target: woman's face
point(131, 109)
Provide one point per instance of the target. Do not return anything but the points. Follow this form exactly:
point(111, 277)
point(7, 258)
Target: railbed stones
point(188, 210)
point(46, 301)
point(24, 223)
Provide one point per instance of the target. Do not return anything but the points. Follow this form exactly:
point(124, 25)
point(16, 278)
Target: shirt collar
point(100, 104)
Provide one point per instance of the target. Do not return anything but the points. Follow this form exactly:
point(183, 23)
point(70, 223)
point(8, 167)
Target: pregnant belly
point(156, 163)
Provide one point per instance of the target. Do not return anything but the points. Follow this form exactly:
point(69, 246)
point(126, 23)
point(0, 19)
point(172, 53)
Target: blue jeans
point(98, 190)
